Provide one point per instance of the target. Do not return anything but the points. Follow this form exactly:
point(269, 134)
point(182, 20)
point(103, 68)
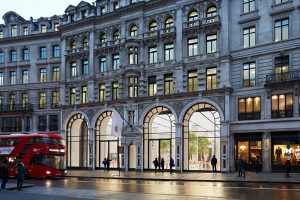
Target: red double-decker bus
point(42, 154)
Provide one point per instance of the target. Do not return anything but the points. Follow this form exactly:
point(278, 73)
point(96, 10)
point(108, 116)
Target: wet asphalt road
point(86, 188)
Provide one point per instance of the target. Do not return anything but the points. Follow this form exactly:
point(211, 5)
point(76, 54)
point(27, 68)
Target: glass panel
point(243, 151)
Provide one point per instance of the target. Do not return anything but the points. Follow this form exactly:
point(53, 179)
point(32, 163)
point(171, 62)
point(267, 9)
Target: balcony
point(168, 33)
point(191, 27)
point(151, 34)
point(286, 78)
point(16, 108)
point(78, 52)
point(211, 22)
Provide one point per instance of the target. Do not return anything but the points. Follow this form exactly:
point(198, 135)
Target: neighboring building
point(191, 78)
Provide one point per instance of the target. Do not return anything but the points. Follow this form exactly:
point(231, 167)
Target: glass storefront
point(248, 146)
point(285, 146)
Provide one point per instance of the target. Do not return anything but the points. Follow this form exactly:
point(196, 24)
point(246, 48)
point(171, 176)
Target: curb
point(24, 186)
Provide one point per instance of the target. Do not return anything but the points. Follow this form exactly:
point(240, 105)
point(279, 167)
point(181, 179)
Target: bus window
point(54, 161)
point(9, 141)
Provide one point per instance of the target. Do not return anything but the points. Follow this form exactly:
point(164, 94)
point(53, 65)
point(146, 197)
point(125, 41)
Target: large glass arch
point(159, 136)
point(106, 145)
point(77, 142)
point(201, 137)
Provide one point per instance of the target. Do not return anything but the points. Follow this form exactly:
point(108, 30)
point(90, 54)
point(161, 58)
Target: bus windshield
point(54, 161)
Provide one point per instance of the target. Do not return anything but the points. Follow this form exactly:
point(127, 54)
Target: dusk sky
point(36, 8)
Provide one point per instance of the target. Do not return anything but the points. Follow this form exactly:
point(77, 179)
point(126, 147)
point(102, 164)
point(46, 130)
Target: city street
point(91, 188)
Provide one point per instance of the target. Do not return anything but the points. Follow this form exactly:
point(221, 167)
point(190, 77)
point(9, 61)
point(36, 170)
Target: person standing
point(162, 164)
point(239, 167)
point(256, 164)
point(20, 174)
point(155, 163)
point(107, 163)
point(104, 163)
point(213, 162)
point(243, 168)
point(171, 165)
point(288, 155)
point(4, 174)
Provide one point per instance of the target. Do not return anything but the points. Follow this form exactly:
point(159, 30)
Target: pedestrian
point(104, 163)
point(171, 165)
point(155, 163)
point(213, 162)
point(4, 174)
point(288, 155)
point(107, 163)
point(162, 164)
point(20, 174)
point(243, 168)
point(256, 164)
point(239, 166)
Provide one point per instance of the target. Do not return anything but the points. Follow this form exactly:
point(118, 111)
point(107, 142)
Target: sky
point(36, 8)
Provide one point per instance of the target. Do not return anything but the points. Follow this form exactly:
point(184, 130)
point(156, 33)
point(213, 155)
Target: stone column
point(296, 105)
point(126, 155)
point(178, 147)
point(91, 148)
point(266, 154)
point(178, 24)
point(226, 155)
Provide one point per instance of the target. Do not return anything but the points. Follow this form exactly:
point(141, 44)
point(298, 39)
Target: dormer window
point(211, 11)
point(1, 34)
point(84, 14)
point(116, 5)
point(133, 1)
point(43, 28)
point(153, 26)
point(72, 17)
point(13, 30)
point(133, 30)
point(55, 26)
point(25, 30)
point(102, 10)
point(169, 22)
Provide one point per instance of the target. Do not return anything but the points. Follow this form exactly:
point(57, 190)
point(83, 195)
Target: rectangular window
point(281, 68)
point(152, 87)
point(72, 96)
point(55, 74)
point(116, 62)
point(282, 105)
point(1, 34)
point(43, 28)
point(168, 84)
point(169, 52)
point(102, 92)
point(25, 54)
point(73, 71)
point(281, 29)
point(84, 94)
point(249, 74)
point(85, 67)
point(193, 81)
point(25, 30)
point(1, 78)
point(12, 77)
point(42, 100)
point(43, 53)
point(25, 101)
point(1, 102)
point(1, 57)
point(84, 14)
point(211, 78)
point(25, 76)
point(249, 108)
point(192, 46)
point(55, 99)
point(249, 6)
point(42, 124)
point(153, 54)
point(12, 124)
point(43, 75)
point(103, 67)
point(115, 90)
point(280, 1)
point(55, 25)
point(249, 37)
point(13, 30)
point(53, 122)
point(56, 51)
point(102, 10)
point(12, 101)
point(13, 56)
point(116, 5)
point(211, 43)
point(133, 56)
point(132, 87)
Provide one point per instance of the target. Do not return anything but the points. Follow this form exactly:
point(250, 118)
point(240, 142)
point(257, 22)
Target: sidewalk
point(12, 185)
point(188, 176)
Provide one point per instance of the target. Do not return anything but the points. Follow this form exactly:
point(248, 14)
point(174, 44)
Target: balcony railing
point(210, 20)
point(283, 77)
point(191, 24)
point(168, 30)
point(16, 107)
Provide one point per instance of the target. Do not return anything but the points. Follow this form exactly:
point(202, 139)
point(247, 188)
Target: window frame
point(250, 66)
point(286, 112)
point(211, 76)
point(168, 84)
point(169, 52)
point(243, 113)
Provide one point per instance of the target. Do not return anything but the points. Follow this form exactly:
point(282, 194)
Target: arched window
point(73, 44)
point(211, 11)
point(153, 26)
point(116, 35)
point(193, 15)
point(133, 30)
point(85, 42)
point(169, 22)
point(103, 38)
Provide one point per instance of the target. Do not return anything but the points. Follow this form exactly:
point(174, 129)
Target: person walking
point(20, 174)
point(107, 163)
point(243, 168)
point(104, 163)
point(256, 164)
point(162, 164)
point(239, 166)
point(171, 165)
point(155, 163)
point(4, 174)
point(213, 163)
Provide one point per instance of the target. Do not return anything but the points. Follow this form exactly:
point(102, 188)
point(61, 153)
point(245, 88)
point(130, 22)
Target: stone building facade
point(191, 79)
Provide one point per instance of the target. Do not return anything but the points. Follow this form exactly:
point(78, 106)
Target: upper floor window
point(116, 36)
point(73, 70)
point(102, 38)
point(133, 1)
point(25, 30)
point(153, 54)
point(73, 44)
point(281, 29)
point(13, 77)
point(85, 67)
point(42, 100)
point(55, 26)
point(56, 51)
point(249, 37)
point(248, 6)
point(25, 76)
point(153, 26)
point(13, 30)
point(133, 55)
point(116, 61)
point(169, 52)
point(85, 42)
point(102, 92)
point(12, 101)
point(280, 1)
point(152, 87)
point(1, 78)
point(43, 75)
point(72, 96)
point(1, 57)
point(116, 5)
point(55, 99)
point(192, 46)
point(115, 90)
point(169, 22)
point(211, 43)
point(25, 54)
point(282, 105)
point(25, 100)
point(192, 81)
point(84, 14)
point(168, 84)
point(43, 28)
point(132, 86)
point(102, 10)
point(249, 74)
point(249, 108)
point(193, 16)
point(84, 94)
point(211, 78)
point(133, 31)
point(43, 53)
point(211, 11)
point(13, 56)
point(72, 17)
point(42, 123)
point(55, 74)
point(281, 68)
point(1, 34)
point(53, 122)
point(103, 66)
